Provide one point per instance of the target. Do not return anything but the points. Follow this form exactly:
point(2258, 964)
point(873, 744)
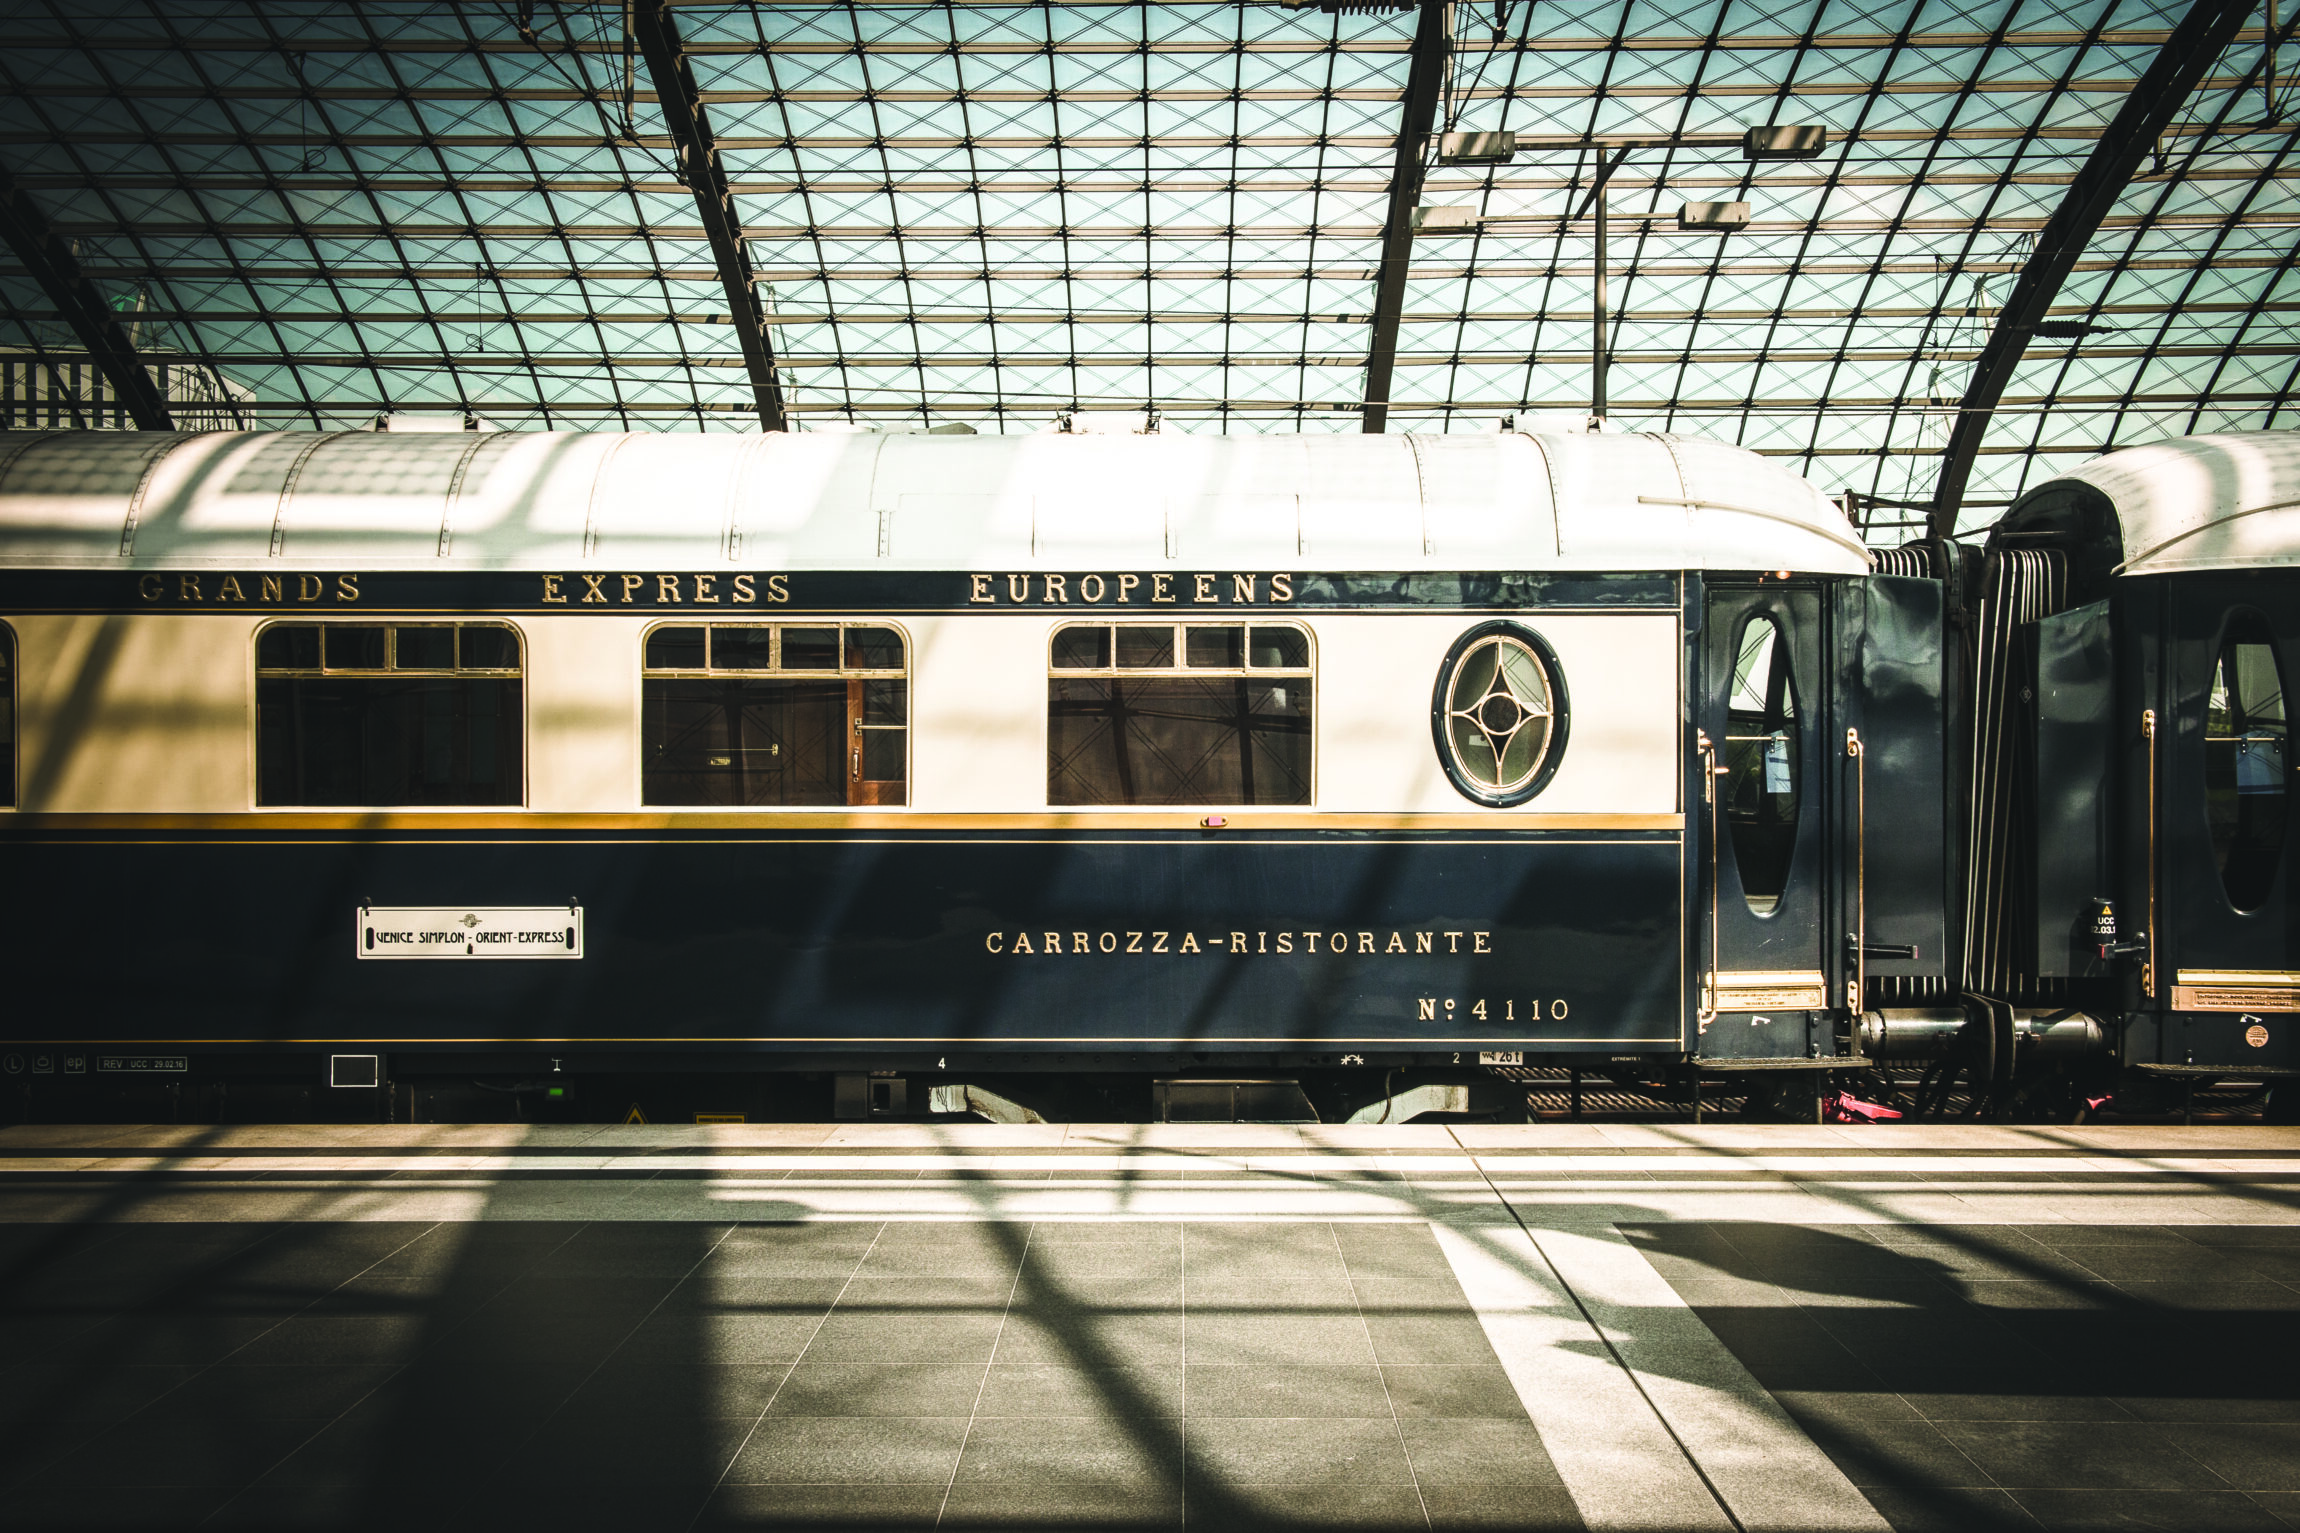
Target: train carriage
point(938, 754)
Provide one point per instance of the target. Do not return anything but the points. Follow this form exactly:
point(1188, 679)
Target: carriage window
point(1761, 760)
point(7, 718)
point(746, 716)
point(377, 714)
point(1178, 713)
point(2246, 751)
point(1500, 714)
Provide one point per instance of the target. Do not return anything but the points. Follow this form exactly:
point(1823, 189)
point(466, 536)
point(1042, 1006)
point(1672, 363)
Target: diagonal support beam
point(51, 264)
point(2200, 38)
point(682, 106)
point(1424, 77)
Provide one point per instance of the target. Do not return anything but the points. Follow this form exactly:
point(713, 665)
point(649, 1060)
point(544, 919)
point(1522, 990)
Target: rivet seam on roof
point(591, 508)
point(288, 484)
point(455, 489)
point(143, 488)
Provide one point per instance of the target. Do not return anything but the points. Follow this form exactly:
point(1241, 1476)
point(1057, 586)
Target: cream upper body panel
point(778, 501)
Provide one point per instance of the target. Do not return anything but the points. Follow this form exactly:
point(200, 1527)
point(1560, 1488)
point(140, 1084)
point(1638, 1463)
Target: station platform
point(1603, 1326)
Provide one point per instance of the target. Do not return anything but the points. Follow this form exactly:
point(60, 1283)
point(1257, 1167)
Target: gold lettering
point(1237, 942)
point(1079, 943)
point(1426, 1009)
point(1421, 942)
point(309, 588)
point(744, 590)
point(231, 590)
point(1018, 587)
point(778, 588)
point(1397, 944)
point(1557, 1009)
point(188, 588)
point(1365, 942)
point(1281, 588)
point(1453, 942)
point(347, 588)
point(1312, 939)
point(1189, 942)
point(148, 587)
point(631, 583)
point(594, 590)
point(268, 589)
point(1108, 942)
point(703, 590)
point(1158, 585)
point(1157, 942)
point(979, 586)
point(990, 943)
point(551, 591)
point(1338, 942)
point(1090, 588)
point(1057, 589)
point(667, 588)
point(1261, 942)
point(1022, 942)
point(1053, 942)
point(1285, 942)
point(1126, 585)
point(1133, 942)
point(1477, 942)
point(1202, 588)
point(1242, 588)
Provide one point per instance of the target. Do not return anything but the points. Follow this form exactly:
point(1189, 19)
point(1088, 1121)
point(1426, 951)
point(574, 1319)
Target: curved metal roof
point(642, 501)
point(989, 213)
point(2218, 502)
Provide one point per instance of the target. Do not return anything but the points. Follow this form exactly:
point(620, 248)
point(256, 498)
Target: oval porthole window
point(1763, 753)
point(2246, 761)
point(1499, 714)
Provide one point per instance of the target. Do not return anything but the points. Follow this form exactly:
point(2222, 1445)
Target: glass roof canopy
point(994, 213)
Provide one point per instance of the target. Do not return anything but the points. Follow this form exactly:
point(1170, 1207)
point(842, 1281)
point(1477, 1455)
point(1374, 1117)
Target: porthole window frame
point(1560, 714)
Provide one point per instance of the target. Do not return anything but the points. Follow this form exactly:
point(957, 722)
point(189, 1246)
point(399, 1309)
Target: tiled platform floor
point(1975, 1377)
point(1102, 1329)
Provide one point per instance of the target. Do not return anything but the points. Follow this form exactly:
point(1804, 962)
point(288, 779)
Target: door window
point(752, 715)
point(1762, 760)
point(2246, 748)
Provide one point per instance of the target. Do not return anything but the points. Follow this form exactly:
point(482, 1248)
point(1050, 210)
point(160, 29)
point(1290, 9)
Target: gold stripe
point(894, 821)
point(2238, 977)
point(982, 1049)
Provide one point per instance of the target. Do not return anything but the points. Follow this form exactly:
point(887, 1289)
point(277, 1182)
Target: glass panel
point(1281, 647)
point(1217, 647)
point(489, 648)
point(1080, 648)
point(355, 646)
point(810, 649)
point(675, 649)
point(1498, 712)
point(1143, 648)
point(886, 702)
point(7, 718)
point(1178, 740)
point(1763, 753)
point(386, 740)
point(289, 646)
point(874, 649)
point(743, 742)
point(2247, 762)
point(882, 754)
point(742, 649)
point(425, 649)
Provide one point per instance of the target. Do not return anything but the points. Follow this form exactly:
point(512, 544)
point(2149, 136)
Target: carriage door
point(2227, 849)
point(1763, 716)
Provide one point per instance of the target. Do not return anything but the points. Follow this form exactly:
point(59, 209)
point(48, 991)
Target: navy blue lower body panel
point(895, 941)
